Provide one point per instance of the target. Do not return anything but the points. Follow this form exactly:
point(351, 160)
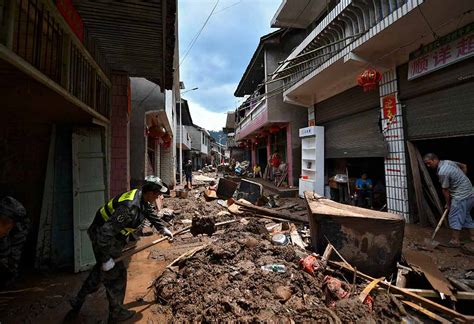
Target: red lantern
point(274, 129)
point(156, 132)
point(167, 138)
point(369, 79)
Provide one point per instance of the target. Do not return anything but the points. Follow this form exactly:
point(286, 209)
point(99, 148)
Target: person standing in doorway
point(275, 163)
point(364, 191)
point(458, 194)
point(188, 172)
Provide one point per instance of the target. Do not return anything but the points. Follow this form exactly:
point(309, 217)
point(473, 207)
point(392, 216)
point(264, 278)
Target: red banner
point(72, 17)
point(389, 107)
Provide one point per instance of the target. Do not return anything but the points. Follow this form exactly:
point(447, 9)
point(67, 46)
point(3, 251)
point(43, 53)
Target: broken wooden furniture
point(369, 240)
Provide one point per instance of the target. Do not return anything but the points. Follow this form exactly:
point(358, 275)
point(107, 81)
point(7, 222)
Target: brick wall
point(395, 162)
point(120, 135)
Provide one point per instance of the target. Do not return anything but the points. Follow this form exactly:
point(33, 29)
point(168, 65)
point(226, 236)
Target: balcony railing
point(259, 108)
point(186, 138)
point(348, 21)
point(42, 38)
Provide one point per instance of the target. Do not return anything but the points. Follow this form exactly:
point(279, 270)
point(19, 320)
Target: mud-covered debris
point(203, 225)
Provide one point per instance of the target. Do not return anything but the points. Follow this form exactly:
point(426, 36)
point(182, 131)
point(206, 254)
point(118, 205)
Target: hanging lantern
point(274, 129)
point(156, 131)
point(166, 138)
point(369, 79)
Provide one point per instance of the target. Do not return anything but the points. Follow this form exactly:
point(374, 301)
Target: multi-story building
point(264, 122)
point(64, 83)
point(200, 148)
point(423, 51)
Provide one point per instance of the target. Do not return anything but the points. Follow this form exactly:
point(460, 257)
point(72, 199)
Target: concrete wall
point(146, 96)
point(279, 111)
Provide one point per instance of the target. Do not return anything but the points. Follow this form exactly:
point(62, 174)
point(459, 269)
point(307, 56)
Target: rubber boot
point(121, 315)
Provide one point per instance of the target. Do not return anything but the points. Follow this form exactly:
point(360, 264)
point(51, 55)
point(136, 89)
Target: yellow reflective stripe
point(104, 214)
point(128, 195)
point(127, 231)
point(110, 206)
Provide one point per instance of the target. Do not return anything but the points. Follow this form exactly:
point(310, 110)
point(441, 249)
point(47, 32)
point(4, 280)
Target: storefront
point(436, 90)
point(354, 143)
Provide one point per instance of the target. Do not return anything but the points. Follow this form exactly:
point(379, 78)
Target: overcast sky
point(220, 55)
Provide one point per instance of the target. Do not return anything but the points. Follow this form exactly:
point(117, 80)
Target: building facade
point(265, 124)
point(423, 52)
point(65, 87)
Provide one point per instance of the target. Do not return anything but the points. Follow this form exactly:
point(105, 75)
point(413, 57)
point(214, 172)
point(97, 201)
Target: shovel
point(432, 244)
point(181, 231)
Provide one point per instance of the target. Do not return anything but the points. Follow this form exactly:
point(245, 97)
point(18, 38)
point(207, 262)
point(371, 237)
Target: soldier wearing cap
point(109, 232)
point(14, 227)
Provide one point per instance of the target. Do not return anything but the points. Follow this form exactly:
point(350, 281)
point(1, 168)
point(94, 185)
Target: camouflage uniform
point(11, 246)
point(112, 226)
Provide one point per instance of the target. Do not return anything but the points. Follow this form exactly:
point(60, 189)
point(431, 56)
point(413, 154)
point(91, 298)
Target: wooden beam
point(429, 183)
point(426, 312)
point(415, 172)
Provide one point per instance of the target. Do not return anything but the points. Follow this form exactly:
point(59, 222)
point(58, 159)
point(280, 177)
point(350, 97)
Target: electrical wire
point(228, 7)
point(193, 41)
point(428, 23)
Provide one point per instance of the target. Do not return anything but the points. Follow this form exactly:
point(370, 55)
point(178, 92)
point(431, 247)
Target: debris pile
point(242, 276)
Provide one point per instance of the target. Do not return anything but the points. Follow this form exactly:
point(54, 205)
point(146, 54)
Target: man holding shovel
point(458, 193)
point(109, 233)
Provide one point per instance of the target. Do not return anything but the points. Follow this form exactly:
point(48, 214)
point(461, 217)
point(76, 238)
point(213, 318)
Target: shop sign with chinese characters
point(447, 50)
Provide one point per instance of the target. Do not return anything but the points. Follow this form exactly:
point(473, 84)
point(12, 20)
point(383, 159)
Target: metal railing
point(259, 107)
point(349, 20)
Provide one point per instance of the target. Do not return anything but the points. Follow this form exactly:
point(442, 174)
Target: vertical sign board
point(445, 51)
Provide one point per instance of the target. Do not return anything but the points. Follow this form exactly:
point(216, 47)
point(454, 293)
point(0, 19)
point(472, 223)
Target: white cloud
point(205, 118)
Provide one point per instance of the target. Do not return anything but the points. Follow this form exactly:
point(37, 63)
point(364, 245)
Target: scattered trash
point(279, 268)
point(280, 239)
point(310, 264)
point(334, 290)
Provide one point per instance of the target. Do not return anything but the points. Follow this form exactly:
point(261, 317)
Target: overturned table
point(370, 240)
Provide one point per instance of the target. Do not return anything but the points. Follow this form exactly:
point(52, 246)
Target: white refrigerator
point(312, 160)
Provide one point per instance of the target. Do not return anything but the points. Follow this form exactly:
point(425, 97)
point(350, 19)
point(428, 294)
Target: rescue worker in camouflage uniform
point(109, 232)
point(14, 226)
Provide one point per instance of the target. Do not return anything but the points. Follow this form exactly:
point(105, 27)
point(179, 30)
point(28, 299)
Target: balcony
point(253, 120)
point(36, 40)
point(298, 14)
point(186, 139)
point(361, 33)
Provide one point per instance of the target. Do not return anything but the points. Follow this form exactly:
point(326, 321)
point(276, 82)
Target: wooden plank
point(363, 295)
point(429, 183)
point(418, 186)
point(431, 272)
point(404, 292)
point(460, 285)
point(266, 211)
point(43, 247)
point(429, 293)
point(426, 312)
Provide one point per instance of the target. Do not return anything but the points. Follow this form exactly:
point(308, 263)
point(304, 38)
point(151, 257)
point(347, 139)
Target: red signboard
point(72, 17)
point(389, 107)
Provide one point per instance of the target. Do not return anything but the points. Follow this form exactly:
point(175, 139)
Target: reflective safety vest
point(130, 199)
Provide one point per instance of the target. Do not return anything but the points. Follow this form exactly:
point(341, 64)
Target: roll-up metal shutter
point(355, 136)
point(349, 102)
point(448, 112)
